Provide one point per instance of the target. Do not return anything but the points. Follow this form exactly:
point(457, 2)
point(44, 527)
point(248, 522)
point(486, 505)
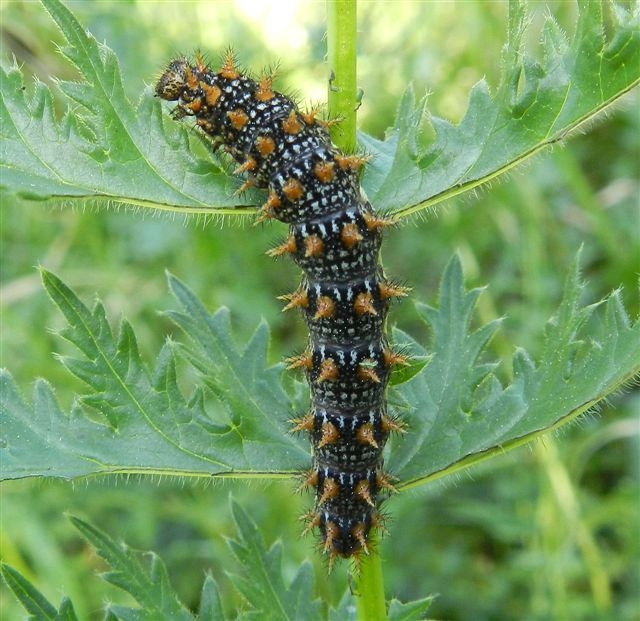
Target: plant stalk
point(342, 100)
point(341, 53)
point(370, 600)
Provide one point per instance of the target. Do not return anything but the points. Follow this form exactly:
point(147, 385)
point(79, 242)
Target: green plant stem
point(341, 52)
point(370, 601)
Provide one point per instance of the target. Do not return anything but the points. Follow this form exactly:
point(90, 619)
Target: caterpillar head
point(174, 80)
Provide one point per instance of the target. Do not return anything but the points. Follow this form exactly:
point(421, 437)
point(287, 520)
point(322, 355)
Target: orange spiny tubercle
point(365, 435)
point(389, 424)
point(325, 307)
point(297, 299)
point(366, 373)
point(330, 489)
point(292, 125)
point(264, 91)
point(330, 434)
point(302, 424)
point(362, 490)
point(350, 235)
point(328, 371)
point(391, 290)
point(289, 246)
point(375, 223)
point(392, 358)
point(293, 190)
point(249, 165)
point(302, 361)
point(228, 70)
point(314, 246)
point(364, 304)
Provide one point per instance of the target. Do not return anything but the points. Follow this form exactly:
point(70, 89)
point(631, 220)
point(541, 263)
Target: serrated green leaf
point(148, 426)
point(411, 611)
point(457, 411)
point(144, 576)
point(67, 613)
point(150, 585)
point(105, 148)
point(536, 104)
point(346, 610)
point(34, 436)
point(242, 381)
point(210, 604)
point(261, 581)
point(405, 372)
point(34, 602)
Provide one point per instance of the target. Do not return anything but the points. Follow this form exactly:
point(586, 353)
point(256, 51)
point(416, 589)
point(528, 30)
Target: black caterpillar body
point(335, 238)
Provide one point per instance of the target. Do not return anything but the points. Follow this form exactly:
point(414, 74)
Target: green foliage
point(457, 411)
point(135, 419)
point(115, 152)
point(536, 104)
point(33, 601)
point(147, 425)
point(262, 584)
point(259, 580)
point(461, 412)
point(111, 151)
point(411, 611)
point(149, 584)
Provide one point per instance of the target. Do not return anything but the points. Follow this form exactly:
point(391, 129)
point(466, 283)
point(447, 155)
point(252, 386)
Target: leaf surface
point(536, 104)
point(258, 577)
point(458, 411)
point(144, 422)
point(261, 582)
point(33, 601)
point(104, 148)
point(148, 583)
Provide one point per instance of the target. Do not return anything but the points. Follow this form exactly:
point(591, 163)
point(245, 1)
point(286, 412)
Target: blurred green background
point(548, 532)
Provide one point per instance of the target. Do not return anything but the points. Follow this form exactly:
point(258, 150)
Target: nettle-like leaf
point(104, 147)
point(33, 601)
point(457, 411)
point(146, 424)
point(261, 581)
point(107, 150)
point(148, 583)
point(536, 104)
point(258, 578)
point(145, 579)
point(410, 611)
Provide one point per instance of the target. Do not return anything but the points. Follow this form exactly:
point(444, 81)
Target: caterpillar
point(334, 237)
